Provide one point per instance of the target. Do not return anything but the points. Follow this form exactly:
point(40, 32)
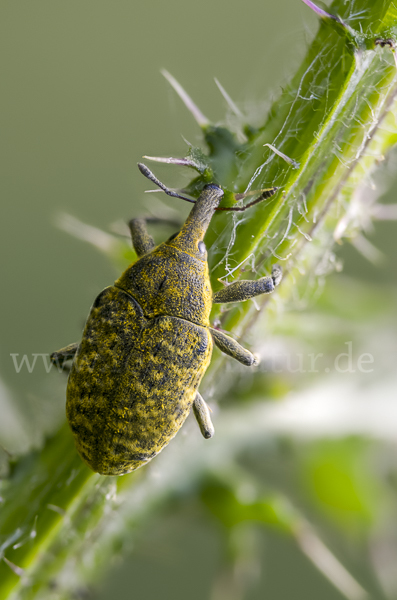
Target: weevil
point(147, 343)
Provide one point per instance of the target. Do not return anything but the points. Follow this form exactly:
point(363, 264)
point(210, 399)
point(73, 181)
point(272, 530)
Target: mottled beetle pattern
point(147, 343)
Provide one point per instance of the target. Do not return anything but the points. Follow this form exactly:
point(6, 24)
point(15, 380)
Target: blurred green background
point(82, 100)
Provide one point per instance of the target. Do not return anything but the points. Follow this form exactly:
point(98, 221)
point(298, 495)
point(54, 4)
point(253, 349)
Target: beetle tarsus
point(202, 414)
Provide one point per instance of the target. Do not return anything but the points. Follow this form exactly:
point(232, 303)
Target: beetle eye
point(202, 248)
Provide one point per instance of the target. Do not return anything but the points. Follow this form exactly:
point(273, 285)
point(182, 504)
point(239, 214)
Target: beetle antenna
point(147, 173)
point(268, 193)
point(264, 195)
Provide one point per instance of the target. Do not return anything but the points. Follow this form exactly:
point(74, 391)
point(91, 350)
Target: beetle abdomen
point(132, 383)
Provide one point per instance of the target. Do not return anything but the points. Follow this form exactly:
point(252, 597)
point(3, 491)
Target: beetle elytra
point(147, 343)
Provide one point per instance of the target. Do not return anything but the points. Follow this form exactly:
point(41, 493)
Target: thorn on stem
point(232, 105)
point(326, 15)
point(17, 570)
point(320, 11)
point(287, 159)
point(182, 162)
point(201, 119)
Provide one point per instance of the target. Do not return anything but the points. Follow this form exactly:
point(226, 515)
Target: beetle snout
point(194, 229)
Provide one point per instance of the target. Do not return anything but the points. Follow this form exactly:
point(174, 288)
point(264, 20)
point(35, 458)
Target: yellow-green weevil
point(147, 344)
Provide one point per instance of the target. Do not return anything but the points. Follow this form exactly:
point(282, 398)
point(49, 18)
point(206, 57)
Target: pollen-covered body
point(136, 373)
point(147, 344)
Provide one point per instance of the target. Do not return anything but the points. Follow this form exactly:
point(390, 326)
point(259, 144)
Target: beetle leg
point(141, 240)
point(229, 346)
point(67, 353)
point(202, 414)
point(243, 290)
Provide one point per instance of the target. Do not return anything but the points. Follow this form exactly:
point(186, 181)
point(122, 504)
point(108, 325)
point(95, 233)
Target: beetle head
point(191, 236)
